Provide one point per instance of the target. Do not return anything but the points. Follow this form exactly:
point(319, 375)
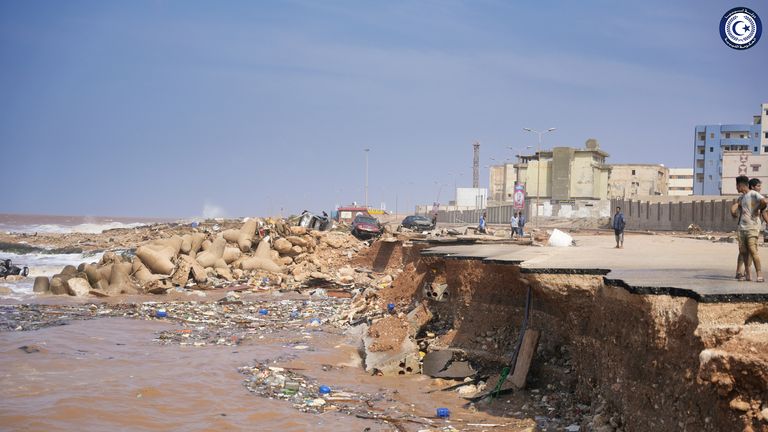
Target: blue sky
point(167, 108)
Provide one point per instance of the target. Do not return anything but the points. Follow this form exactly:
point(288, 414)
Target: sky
point(241, 108)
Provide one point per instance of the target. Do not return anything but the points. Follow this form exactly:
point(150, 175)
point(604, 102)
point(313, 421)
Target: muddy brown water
point(108, 374)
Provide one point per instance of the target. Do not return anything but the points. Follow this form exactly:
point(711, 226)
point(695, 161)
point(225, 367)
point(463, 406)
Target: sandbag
point(215, 252)
point(78, 287)
point(197, 242)
point(231, 254)
point(157, 261)
point(186, 243)
point(262, 260)
point(120, 280)
point(93, 273)
point(141, 273)
point(42, 285)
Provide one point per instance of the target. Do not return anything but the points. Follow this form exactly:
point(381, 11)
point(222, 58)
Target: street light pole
point(366, 176)
point(538, 169)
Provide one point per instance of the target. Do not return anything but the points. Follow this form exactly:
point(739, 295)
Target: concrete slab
point(648, 264)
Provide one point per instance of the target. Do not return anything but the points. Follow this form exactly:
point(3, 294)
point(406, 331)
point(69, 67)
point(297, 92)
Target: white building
point(680, 181)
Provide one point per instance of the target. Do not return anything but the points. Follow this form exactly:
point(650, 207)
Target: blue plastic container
point(443, 413)
point(314, 321)
point(161, 313)
point(263, 312)
point(391, 307)
point(295, 314)
point(324, 390)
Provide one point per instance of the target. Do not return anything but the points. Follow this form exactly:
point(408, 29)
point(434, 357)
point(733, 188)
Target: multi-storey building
point(680, 181)
point(712, 141)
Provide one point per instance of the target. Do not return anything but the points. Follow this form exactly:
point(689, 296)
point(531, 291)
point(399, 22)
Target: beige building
point(680, 182)
point(736, 163)
point(636, 180)
point(561, 174)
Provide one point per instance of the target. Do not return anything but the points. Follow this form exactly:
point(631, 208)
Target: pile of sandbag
point(196, 257)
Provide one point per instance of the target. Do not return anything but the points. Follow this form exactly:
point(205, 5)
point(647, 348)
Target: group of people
point(749, 209)
point(517, 223)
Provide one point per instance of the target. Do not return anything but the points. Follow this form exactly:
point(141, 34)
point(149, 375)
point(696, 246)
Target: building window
point(711, 149)
point(702, 136)
point(741, 136)
point(756, 135)
point(755, 168)
point(755, 150)
point(765, 149)
point(633, 172)
point(710, 176)
point(766, 135)
point(727, 135)
point(711, 135)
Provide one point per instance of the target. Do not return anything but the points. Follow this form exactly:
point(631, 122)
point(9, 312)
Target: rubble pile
point(291, 256)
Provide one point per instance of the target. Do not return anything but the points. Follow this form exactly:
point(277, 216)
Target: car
point(417, 223)
point(365, 227)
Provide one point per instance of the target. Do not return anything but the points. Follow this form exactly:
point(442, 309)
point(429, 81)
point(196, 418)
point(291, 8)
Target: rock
point(297, 241)
point(42, 285)
point(78, 287)
point(764, 413)
point(739, 405)
point(183, 268)
point(70, 270)
point(333, 241)
point(468, 390)
point(298, 230)
point(283, 246)
point(441, 364)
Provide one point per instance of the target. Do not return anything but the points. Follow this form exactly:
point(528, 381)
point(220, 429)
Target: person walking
point(747, 208)
point(514, 225)
point(618, 227)
point(520, 224)
point(481, 225)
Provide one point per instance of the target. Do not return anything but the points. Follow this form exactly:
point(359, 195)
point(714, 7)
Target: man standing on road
point(747, 208)
point(481, 226)
point(513, 225)
point(618, 227)
point(520, 224)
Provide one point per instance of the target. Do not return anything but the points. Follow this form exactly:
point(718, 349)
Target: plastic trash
point(314, 321)
point(324, 390)
point(443, 413)
point(263, 312)
point(391, 307)
point(161, 313)
point(295, 314)
point(560, 239)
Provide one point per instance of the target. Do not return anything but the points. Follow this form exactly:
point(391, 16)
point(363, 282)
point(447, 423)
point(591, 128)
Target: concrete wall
point(501, 214)
point(710, 215)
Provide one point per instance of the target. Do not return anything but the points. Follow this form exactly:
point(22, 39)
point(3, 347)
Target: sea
point(45, 262)
point(111, 374)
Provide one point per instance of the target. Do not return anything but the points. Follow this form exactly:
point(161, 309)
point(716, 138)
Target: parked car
point(365, 227)
point(417, 223)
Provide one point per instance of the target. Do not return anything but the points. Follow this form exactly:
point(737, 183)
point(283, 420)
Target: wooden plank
point(524, 358)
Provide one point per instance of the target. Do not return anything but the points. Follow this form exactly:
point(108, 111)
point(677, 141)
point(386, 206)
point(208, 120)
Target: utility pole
point(476, 165)
point(366, 176)
point(538, 169)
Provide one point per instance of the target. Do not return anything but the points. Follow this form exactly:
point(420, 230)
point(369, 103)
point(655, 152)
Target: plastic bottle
point(391, 307)
point(443, 413)
point(263, 312)
point(324, 390)
point(161, 313)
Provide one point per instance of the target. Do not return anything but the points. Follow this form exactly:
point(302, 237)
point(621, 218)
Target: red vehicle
point(365, 227)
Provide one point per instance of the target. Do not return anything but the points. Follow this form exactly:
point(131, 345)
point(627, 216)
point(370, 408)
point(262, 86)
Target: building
point(561, 174)
point(736, 163)
point(474, 198)
point(680, 182)
point(636, 180)
point(712, 141)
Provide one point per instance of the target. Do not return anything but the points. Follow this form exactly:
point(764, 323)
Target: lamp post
point(366, 176)
point(538, 168)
